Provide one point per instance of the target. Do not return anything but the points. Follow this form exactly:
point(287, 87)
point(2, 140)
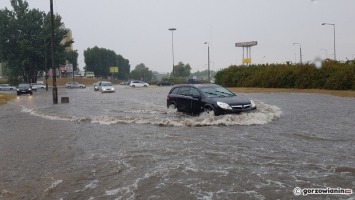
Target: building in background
point(67, 69)
point(68, 37)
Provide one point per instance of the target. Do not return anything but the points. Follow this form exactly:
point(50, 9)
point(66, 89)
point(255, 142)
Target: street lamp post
point(172, 44)
point(208, 60)
point(334, 37)
point(300, 52)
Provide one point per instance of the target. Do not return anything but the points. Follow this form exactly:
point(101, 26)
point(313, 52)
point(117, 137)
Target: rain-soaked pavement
point(128, 145)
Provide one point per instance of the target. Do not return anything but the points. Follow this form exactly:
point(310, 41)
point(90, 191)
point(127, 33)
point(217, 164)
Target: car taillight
point(167, 97)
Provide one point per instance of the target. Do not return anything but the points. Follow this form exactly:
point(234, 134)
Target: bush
point(333, 75)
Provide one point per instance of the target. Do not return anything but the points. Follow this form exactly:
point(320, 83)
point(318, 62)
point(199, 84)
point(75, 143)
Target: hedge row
point(334, 76)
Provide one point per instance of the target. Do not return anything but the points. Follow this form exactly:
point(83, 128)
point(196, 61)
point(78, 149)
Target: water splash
point(161, 116)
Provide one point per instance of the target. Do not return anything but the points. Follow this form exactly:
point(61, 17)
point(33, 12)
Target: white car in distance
point(138, 84)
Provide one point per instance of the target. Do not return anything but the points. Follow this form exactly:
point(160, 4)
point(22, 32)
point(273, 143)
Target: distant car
point(165, 83)
point(193, 81)
point(24, 88)
point(96, 86)
point(71, 85)
point(38, 86)
point(138, 84)
point(7, 87)
point(106, 86)
point(197, 98)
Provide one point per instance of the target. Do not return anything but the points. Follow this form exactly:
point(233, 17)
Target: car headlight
point(252, 104)
point(224, 106)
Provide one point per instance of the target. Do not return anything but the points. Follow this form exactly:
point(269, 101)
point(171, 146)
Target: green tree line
point(332, 75)
point(25, 41)
point(99, 60)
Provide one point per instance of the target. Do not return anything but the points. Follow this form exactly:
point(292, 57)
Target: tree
point(99, 60)
point(25, 40)
point(141, 72)
point(203, 75)
point(72, 57)
point(182, 70)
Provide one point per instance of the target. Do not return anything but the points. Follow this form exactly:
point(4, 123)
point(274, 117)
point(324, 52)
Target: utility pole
point(54, 73)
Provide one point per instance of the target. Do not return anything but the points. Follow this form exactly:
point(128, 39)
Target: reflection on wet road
point(128, 145)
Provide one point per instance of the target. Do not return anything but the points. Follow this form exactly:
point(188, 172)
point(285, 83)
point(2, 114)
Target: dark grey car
point(197, 98)
point(24, 88)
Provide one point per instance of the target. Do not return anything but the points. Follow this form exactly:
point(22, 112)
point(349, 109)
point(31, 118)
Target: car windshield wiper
point(229, 94)
point(211, 93)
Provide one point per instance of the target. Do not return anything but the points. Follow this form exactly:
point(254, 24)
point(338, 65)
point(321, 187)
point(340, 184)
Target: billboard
point(246, 44)
point(246, 60)
point(69, 67)
point(114, 69)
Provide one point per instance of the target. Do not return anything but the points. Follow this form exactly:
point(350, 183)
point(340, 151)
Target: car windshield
point(216, 91)
point(106, 84)
point(24, 85)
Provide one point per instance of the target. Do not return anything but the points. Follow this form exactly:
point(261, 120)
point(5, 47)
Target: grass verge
point(4, 98)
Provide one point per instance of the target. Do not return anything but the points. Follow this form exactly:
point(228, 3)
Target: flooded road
point(128, 145)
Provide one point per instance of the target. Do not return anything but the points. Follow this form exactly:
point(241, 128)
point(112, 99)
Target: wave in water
point(165, 117)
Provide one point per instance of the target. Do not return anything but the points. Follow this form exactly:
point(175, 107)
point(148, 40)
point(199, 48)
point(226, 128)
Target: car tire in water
point(172, 106)
point(210, 110)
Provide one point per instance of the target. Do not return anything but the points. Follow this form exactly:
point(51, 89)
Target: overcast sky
point(138, 29)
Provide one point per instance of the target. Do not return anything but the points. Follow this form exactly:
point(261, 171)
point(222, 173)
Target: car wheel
point(18, 94)
point(145, 86)
point(209, 110)
point(173, 107)
point(81, 87)
point(133, 86)
point(69, 87)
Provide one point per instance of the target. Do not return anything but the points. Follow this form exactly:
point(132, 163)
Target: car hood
point(23, 88)
point(233, 100)
point(107, 86)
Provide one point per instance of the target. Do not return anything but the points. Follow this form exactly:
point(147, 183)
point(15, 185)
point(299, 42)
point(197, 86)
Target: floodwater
point(128, 145)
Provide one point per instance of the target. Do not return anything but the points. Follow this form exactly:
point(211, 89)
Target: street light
point(208, 60)
point(300, 51)
point(172, 44)
point(334, 37)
